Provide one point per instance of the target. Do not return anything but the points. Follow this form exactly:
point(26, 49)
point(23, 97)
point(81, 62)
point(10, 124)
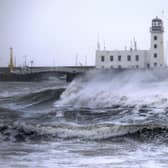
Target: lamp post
point(31, 63)
point(25, 60)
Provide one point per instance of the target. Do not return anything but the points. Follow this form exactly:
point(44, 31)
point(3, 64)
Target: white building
point(134, 58)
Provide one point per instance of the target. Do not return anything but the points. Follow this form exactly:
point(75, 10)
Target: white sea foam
point(129, 87)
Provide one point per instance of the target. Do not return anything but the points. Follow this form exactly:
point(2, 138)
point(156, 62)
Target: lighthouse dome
point(156, 19)
point(157, 25)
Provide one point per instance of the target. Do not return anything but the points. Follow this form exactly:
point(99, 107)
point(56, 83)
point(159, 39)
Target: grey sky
point(51, 32)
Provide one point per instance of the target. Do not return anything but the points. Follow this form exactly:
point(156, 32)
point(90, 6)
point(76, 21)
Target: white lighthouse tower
point(135, 58)
point(157, 45)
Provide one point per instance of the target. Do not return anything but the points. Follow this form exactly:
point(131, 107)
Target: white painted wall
point(124, 63)
point(146, 57)
point(159, 50)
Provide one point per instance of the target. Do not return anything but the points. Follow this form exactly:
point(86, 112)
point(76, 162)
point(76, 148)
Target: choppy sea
point(109, 119)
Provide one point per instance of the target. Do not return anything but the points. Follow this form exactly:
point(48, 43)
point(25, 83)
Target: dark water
point(105, 119)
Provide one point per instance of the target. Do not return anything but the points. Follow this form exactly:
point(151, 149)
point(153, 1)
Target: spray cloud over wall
point(125, 87)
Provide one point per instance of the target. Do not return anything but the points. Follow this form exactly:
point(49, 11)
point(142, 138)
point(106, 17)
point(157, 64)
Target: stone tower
point(157, 45)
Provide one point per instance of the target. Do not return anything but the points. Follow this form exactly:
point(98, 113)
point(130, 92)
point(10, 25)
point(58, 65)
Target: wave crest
point(27, 131)
point(127, 87)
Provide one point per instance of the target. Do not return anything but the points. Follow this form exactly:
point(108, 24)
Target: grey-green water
point(101, 120)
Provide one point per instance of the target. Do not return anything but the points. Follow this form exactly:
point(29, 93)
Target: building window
point(137, 57)
point(155, 55)
point(119, 66)
point(111, 58)
point(155, 37)
point(119, 58)
point(111, 67)
point(129, 58)
point(155, 64)
point(102, 58)
point(148, 65)
point(155, 45)
point(137, 66)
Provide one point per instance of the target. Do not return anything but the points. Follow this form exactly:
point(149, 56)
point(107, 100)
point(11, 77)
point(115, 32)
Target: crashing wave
point(127, 87)
point(42, 96)
point(36, 98)
point(27, 131)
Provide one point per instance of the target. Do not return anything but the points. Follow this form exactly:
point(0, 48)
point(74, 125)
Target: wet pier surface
point(41, 73)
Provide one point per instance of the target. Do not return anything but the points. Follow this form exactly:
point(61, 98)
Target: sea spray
point(126, 87)
point(61, 126)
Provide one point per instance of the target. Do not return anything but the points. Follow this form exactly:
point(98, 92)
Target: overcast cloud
point(52, 32)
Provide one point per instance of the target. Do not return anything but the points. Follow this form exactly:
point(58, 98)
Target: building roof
point(157, 19)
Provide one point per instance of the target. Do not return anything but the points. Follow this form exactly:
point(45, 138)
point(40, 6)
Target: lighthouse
point(157, 44)
point(135, 58)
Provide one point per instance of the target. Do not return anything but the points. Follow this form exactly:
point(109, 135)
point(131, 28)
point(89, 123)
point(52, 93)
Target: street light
point(31, 63)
